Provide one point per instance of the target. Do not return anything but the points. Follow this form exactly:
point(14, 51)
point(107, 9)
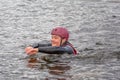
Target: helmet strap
point(61, 42)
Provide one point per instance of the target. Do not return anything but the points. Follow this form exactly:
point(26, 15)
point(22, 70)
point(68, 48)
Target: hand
point(31, 50)
point(28, 48)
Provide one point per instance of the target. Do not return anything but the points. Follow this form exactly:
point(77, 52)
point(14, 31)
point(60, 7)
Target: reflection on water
point(58, 69)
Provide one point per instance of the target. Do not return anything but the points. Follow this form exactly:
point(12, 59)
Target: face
point(56, 40)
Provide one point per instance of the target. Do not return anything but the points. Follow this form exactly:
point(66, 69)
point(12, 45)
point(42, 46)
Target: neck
point(64, 43)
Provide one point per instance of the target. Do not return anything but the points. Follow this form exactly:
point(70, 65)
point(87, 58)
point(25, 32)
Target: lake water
point(94, 27)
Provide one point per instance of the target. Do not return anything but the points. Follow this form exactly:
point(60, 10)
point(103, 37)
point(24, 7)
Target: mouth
point(54, 43)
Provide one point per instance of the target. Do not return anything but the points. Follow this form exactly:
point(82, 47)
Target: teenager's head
point(59, 36)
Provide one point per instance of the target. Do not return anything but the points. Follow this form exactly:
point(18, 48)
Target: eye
point(55, 37)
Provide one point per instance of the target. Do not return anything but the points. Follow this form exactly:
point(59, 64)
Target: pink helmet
point(60, 31)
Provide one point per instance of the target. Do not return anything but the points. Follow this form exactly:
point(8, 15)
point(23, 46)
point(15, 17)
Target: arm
point(49, 50)
point(55, 50)
point(36, 45)
point(33, 49)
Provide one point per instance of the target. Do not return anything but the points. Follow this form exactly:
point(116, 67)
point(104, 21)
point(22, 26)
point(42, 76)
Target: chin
point(54, 45)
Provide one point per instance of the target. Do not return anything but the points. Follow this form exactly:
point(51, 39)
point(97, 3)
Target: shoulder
point(70, 46)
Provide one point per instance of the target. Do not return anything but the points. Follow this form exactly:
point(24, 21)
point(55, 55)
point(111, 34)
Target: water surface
point(94, 27)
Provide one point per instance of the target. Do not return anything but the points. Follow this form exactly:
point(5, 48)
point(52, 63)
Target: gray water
point(94, 27)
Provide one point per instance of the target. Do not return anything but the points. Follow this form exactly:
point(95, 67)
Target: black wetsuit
point(49, 49)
